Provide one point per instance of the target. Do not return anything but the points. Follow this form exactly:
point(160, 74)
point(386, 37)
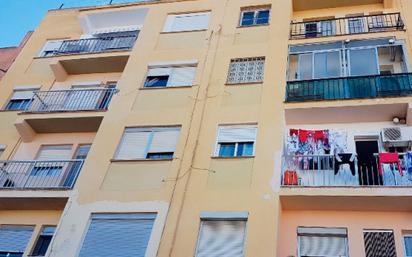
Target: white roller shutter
point(15, 238)
point(219, 238)
point(22, 94)
point(51, 46)
point(322, 242)
point(125, 235)
point(58, 152)
point(159, 72)
point(236, 134)
point(164, 141)
point(182, 76)
point(133, 144)
point(187, 22)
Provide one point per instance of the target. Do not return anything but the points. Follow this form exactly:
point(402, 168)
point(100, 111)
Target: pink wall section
point(28, 151)
point(354, 221)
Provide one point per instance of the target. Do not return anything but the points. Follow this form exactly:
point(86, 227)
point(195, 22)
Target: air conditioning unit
point(397, 136)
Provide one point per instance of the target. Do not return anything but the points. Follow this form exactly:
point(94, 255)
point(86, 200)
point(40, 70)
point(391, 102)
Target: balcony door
point(320, 65)
point(363, 61)
point(367, 165)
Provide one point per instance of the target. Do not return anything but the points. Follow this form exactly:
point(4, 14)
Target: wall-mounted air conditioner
point(397, 136)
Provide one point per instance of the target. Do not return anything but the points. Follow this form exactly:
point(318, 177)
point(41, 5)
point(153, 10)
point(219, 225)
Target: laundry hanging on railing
point(389, 158)
point(345, 158)
point(315, 142)
point(409, 162)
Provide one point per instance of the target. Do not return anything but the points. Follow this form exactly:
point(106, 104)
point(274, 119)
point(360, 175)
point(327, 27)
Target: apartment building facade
point(210, 128)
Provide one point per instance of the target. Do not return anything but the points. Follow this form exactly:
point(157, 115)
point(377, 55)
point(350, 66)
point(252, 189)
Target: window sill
point(252, 26)
point(182, 31)
point(232, 157)
point(244, 83)
point(170, 87)
point(141, 160)
point(11, 110)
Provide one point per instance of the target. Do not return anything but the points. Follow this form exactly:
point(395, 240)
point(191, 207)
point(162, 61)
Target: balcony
point(71, 100)
point(64, 111)
point(358, 87)
point(346, 26)
point(35, 174)
point(93, 45)
point(304, 5)
point(321, 171)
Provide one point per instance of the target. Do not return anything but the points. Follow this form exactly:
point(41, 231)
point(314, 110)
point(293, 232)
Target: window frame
point(404, 243)
point(38, 237)
point(205, 219)
point(152, 131)
point(246, 59)
point(168, 24)
point(318, 234)
point(216, 152)
point(255, 11)
point(172, 67)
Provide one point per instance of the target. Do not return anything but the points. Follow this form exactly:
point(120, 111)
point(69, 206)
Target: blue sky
point(19, 16)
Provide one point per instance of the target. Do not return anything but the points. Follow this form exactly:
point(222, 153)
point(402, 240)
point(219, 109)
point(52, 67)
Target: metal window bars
point(347, 26)
point(38, 174)
point(71, 100)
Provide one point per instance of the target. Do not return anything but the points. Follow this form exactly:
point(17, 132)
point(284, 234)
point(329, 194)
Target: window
point(221, 237)
point(355, 24)
point(379, 243)
point(253, 17)
point(170, 76)
point(326, 242)
point(246, 70)
point(43, 242)
point(14, 240)
point(321, 28)
point(51, 48)
point(51, 158)
point(20, 100)
point(125, 235)
point(236, 141)
point(408, 245)
point(148, 143)
point(187, 22)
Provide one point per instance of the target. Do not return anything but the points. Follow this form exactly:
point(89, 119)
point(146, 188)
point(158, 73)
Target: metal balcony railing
point(321, 171)
point(95, 45)
point(39, 174)
point(358, 87)
point(71, 100)
point(346, 26)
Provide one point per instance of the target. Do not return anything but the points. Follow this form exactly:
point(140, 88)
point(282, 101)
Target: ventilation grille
point(392, 134)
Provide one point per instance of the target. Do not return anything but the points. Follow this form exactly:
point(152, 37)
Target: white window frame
point(222, 216)
point(168, 27)
point(152, 131)
point(217, 143)
point(255, 14)
point(172, 66)
point(404, 243)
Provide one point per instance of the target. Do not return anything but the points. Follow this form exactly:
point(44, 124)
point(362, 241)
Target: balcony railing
point(39, 174)
point(320, 171)
point(358, 87)
point(94, 45)
point(346, 26)
point(71, 100)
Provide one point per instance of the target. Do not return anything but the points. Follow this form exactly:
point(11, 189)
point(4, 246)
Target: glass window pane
point(408, 246)
point(245, 149)
point(328, 28)
point(247, 18)
point(327, 64)
point(363, 62)
point(305, 66)
point(156, 81)
point(227, 149)
point(355, 25)
point(263, 17)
